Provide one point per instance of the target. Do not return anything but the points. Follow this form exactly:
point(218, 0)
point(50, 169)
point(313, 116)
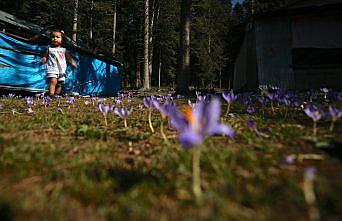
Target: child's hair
point(60, 31)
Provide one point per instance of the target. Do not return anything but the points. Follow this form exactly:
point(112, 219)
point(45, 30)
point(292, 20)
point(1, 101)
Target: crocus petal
point(157, 105)
point(211, 114)
point(117, 111)
point(223, 129)
point(147, 102)
point(101, 107)
point(178, 120)
point(188, 138)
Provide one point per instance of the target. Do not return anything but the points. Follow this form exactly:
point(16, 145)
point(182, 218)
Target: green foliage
point(217, 30)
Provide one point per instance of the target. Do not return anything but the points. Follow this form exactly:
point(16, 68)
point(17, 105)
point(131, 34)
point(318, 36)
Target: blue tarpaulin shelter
point(21, 69)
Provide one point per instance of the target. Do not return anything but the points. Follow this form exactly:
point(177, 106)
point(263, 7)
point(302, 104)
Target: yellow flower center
point(188, 113)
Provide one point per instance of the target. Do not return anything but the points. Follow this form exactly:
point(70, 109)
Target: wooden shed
point(296, 47)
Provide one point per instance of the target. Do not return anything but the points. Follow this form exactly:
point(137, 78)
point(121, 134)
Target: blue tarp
point(21, 68)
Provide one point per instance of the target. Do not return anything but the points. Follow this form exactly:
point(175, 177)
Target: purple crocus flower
point(163, 108)
point(272, 96)
point(118, 101)
point(59, 109)
point(245, 98)
point(312, 93)
point(30, 101)
point(100, 100)
point(335, 96)
point(46, 101)
point(250, 109)
point(121, 96)
point(334, 114)
point(123, 113)
point(39, 95)
point(289, 159)
point(93, 100)
point(315, 112)
point(199, 122)
point(263, 100)
point(105, 109)
point(325, 91)
point(286, 100)
point(71, 100)
point(10, 95)
point(253, 126)
point(30, 111)
point(148, 102)
point(229, 97)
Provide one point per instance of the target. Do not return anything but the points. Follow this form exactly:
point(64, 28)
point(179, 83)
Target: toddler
point(55, 59)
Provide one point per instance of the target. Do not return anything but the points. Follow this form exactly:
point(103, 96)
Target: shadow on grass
point(126, 179)
point(6, 212)
point(334, 149)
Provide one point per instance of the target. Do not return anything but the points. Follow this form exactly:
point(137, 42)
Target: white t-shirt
point(56, 62)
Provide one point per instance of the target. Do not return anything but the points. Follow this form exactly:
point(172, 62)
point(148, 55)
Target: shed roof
point(301, 7)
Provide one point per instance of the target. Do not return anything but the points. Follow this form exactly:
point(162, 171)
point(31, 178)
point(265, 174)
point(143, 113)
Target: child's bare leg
point(53, 82)
point(58, 87)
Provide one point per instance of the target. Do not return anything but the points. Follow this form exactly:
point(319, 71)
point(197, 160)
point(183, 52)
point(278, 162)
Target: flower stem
point(228, 109)
point(286, 110)
point(105, 118)
point(125, 122)
point(196, 170)
point(162, 131)
point(150, 121)
point(331, 128)
point(315, 128)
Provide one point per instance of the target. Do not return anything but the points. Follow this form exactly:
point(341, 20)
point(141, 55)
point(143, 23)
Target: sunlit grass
point(51, 163)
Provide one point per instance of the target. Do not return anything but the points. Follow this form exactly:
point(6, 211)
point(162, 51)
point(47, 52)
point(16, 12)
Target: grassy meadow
point(61, 162)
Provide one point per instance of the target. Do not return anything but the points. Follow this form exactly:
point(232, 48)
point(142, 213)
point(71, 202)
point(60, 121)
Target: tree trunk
point(91, 22)
point(114, 29)
point(159, 73)
point(146, 41)
point(74, 21)
point(154, 20)
point(137, 72)
point(184, 48)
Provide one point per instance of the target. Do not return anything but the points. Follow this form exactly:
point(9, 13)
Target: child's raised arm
point(68, 56)
point(45, 56)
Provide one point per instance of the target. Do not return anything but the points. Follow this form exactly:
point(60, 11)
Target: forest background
point(117, 28)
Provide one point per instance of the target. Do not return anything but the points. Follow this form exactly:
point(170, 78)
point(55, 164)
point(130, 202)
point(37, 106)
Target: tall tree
point(114, 29)
point(91, 21)
point(74, 21)
point(146, 46)
point(184, 48)
point(154, 19)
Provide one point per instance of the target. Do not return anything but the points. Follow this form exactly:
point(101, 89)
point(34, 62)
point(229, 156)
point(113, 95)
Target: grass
point(69, 166)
